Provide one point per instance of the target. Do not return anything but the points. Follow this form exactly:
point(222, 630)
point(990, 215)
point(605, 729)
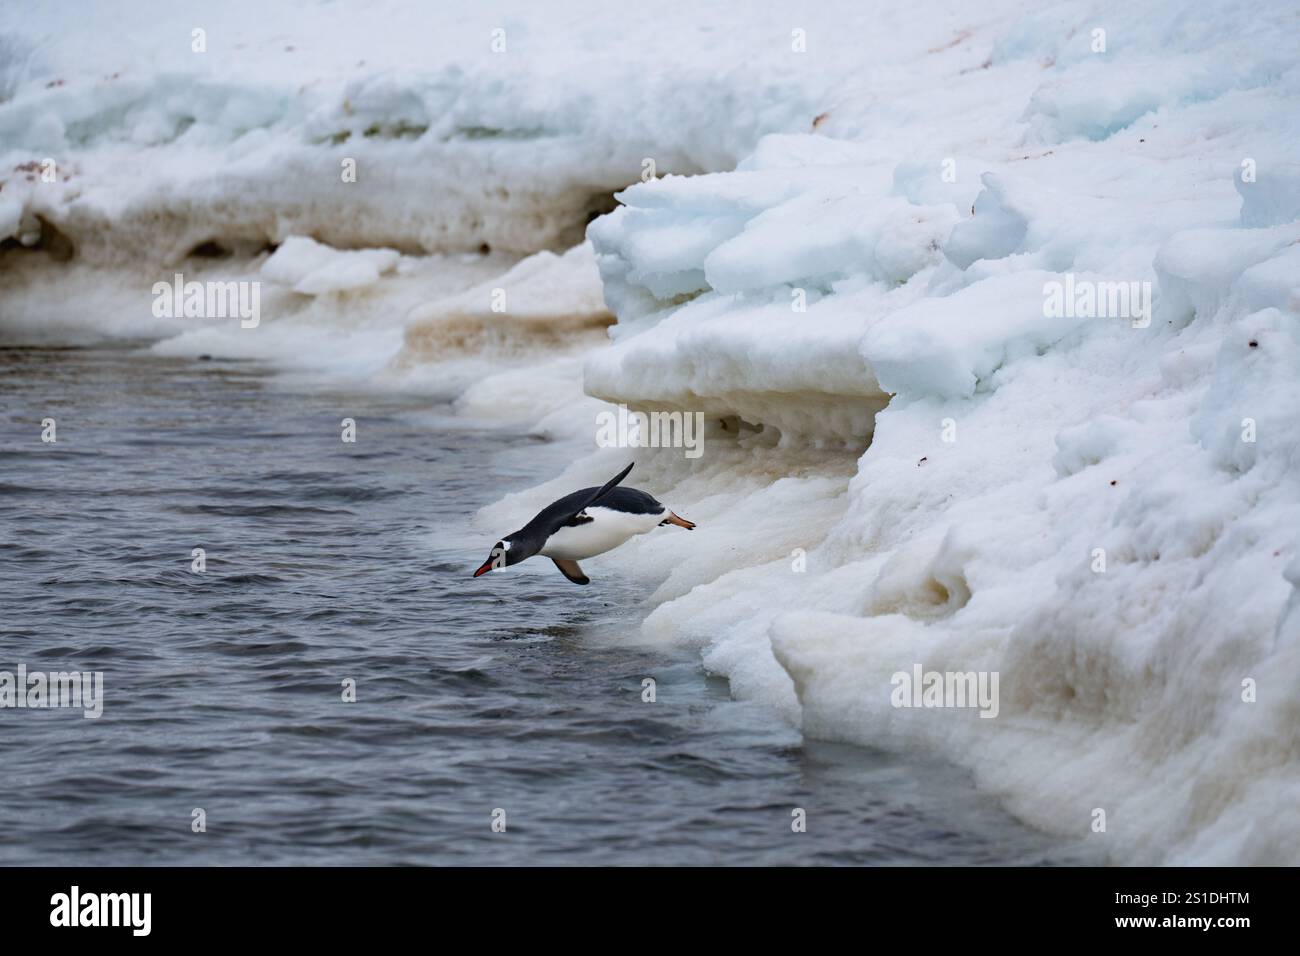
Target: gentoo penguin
point(582, 525)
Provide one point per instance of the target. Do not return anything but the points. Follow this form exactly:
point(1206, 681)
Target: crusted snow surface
point(1100, 503)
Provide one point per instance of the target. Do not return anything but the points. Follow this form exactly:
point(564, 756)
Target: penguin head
point(504, 553)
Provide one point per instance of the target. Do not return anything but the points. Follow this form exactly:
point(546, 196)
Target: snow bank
point(511, 347)
point(394, 124)
point(730, 304)
point(545, 299)
point(1103, 508)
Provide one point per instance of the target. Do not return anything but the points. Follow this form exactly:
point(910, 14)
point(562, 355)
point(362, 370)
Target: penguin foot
point(679, 521)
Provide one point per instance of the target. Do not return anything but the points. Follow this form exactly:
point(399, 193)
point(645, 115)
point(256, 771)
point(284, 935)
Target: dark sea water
point(329, 562)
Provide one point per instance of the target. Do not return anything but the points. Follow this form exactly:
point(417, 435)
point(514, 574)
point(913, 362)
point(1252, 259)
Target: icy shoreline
point(911, 458)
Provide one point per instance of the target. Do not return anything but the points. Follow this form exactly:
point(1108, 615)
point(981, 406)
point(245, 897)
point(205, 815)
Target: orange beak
point(487, 566)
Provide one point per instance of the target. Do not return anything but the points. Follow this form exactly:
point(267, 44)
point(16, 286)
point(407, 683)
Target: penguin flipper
point(571, 571)
point(561, 520)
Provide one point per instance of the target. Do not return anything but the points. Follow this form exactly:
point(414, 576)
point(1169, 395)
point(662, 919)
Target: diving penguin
point(582, 525)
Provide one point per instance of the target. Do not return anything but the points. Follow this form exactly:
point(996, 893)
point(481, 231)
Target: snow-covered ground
point(856, 264)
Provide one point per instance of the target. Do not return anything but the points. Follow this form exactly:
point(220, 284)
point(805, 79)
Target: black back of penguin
point(629, 500)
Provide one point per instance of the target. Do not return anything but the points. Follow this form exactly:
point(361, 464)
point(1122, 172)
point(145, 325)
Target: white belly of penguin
point(606, 531)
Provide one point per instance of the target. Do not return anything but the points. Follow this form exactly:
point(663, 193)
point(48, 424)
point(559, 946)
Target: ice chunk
point(311, 268)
